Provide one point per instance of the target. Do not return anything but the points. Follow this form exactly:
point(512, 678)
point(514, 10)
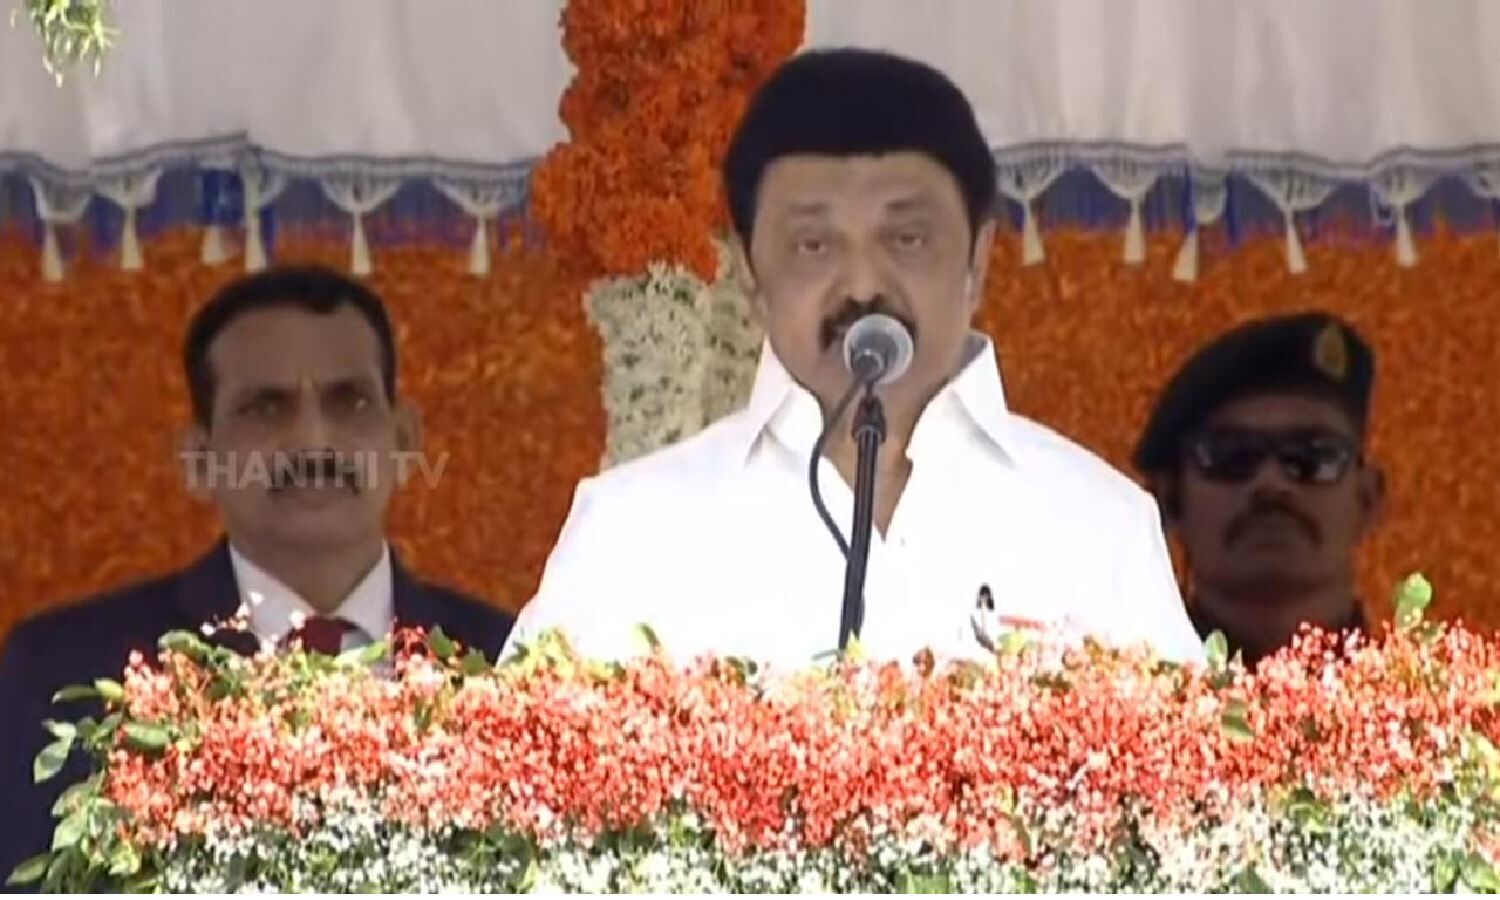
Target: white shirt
point(715, 542)
point(370, 607)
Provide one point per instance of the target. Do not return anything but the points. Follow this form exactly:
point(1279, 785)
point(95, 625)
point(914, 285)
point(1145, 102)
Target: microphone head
point(878, 349)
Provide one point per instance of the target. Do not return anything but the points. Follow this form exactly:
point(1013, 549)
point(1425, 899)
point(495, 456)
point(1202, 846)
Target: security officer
point(1256, 454)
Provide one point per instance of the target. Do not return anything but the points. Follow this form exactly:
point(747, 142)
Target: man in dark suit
point(1256, 452)
point(299, 439)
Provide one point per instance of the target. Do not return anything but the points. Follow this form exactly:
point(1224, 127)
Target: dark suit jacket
point(94, 639)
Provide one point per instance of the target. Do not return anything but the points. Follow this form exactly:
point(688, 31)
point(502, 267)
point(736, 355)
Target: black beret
point(1311, 351)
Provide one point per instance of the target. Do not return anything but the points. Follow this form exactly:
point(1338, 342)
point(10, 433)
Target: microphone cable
point(817, 458)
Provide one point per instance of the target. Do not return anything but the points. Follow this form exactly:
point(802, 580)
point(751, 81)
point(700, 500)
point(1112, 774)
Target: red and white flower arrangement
point(1338, 765)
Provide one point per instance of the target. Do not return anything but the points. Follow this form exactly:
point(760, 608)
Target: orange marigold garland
point(660, 86)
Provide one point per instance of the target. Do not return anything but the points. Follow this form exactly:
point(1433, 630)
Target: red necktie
point(322, 634)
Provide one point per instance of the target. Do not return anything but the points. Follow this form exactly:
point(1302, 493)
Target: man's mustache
point(314, 468)
point(851, 311)
point(1271, 508)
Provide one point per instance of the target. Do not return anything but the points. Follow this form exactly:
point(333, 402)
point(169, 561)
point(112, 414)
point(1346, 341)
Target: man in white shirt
point(859, 182)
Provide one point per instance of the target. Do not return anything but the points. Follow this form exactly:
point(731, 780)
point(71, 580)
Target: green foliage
point(925, 883)
point(71, 32)
point(1216, 649)
point(1236, 721)
point(1412, 600)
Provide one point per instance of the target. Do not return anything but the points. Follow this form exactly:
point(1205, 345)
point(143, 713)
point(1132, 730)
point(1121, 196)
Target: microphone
point(877, 350)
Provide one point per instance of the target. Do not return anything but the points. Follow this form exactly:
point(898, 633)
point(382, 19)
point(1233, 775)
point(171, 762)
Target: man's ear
point(979, 263)
point(744, 272)
point(194, 464)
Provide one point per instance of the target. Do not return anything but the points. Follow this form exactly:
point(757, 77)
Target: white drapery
point(464, 85)
point(1284, 94)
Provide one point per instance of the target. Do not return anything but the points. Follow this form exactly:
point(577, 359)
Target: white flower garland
point(678, 354)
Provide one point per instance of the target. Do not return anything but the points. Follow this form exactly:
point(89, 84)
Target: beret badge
point(1330, 352)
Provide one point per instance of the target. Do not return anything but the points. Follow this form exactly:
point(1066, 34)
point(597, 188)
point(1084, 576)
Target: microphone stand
point(869, 434)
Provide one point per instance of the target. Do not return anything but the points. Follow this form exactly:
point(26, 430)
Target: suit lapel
point(415, 606)
point(208, 593)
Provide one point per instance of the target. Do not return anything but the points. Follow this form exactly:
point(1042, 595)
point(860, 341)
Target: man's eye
point(261, 407)
point(911, 240)
point(355, 401)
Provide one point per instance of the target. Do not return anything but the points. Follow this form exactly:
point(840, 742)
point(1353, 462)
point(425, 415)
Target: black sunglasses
point(1234, 455)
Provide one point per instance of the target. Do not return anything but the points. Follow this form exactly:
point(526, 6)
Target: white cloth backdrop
point(1294, 96)
point(415, 86)
point(1344, 82)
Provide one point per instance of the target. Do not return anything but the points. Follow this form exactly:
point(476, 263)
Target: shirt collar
point(780, 406)
point(370, 607)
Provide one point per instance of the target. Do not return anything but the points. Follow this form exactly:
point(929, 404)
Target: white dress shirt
point(370, 607)
point(715, 542)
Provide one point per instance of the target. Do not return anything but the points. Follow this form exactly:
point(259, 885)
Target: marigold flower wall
point(506, 372)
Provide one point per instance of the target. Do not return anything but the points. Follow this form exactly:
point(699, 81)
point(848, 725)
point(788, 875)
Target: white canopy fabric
point(363, 97)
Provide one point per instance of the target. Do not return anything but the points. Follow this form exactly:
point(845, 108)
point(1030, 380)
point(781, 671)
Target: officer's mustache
point(1263, 506)
point(832, 330)
point(314, 468)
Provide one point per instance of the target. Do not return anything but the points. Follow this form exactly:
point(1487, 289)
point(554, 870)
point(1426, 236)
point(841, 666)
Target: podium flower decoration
point(1338, 765)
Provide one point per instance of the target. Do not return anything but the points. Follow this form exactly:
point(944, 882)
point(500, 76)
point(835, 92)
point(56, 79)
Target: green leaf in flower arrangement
point(441, 645)
point(51, 760)
point(1307, 811)
point(70, 797)
point(474, 664)
point(185, 642)
point(144, 883)
point(368, 655)
point(85, 729)
point(70, 830)
point(527, 881)
point(107, 728)
point(925, 883)
point(1013, 643)
point(648, 636)
point(324, 861)
point(109, 691)
point(741, 669)
point(74, 693)
point(1236, 721)
point(1444, 874)
point(30, 871)
point(147, 737)
point(124, 861)
point(1250, 882)
point(854, 651)
point(1412, 600)
point(62, 731)
point(1216, 648)
point(1479, 875)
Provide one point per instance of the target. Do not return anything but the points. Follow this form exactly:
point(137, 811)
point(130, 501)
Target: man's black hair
point(314, 289)
point(852, 102)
